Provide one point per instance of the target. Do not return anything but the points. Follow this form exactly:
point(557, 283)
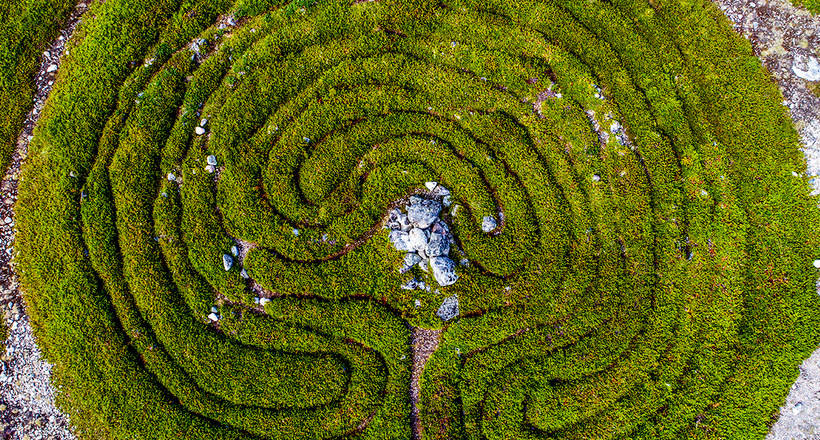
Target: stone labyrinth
point(210, 209)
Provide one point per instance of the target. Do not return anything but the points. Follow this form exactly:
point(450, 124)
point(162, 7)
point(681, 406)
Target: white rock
point(448, 309)
point(488, 223)
point(171, 177)
point(806, 68)
point(422, 212)
point(51, 68)
point(263, 301)
point(234, 251)
point(444, 270)
point(596, 178)
point(447, 201)
point(213, 317)
point(417, 303)
point(203, 122)
point(211, 160)
point(244, 274)
point(199, 131)
point(210, 168)
point(431, 185)
point(227, 262)
point(214, 309)
point(438, 245)
point(410, 259)
point(410, 284)
point(397, 220)
point(400, 240)
point(817, 264)
point(417, 239)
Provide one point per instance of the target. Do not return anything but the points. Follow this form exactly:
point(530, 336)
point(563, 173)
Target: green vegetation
point(26, 28)
point(4, 332)
point(652, 277)
point(811, 5)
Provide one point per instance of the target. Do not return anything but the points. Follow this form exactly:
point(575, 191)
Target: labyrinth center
point(214, 191)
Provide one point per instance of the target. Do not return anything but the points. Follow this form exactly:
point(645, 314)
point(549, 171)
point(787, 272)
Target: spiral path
point(200, 221)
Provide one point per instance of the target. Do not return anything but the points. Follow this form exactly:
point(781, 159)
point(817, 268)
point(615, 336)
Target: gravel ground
point(783, 36)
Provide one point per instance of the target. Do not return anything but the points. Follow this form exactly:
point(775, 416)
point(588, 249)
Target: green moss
point(654, 282)
point(27, 28)
point(812, 5)
point(4, 332)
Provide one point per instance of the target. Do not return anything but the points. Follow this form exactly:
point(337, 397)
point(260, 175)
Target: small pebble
point(199, 131)
point(211, 160)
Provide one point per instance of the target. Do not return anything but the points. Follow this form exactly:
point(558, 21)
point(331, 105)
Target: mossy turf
point(4, 332)
point(26, 27)
point(651, 278)
point(812, 5)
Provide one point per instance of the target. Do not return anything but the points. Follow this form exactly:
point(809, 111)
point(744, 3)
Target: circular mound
point(202, 221)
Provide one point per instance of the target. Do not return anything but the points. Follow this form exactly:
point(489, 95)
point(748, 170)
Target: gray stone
point(488, 223)
point(234, 251)
point(400, 240)
point(422, 212)
point(410, 284)
point(244, 274)
point(444, 270)
point(439, 227)
point(213, 317)
point(410, 259)
point(227, 262)
point(397, 220)
point(417, 239)
point(807, 68)
point(211, 160)
point(448, 309)
point(199, 131)
point(438, 245)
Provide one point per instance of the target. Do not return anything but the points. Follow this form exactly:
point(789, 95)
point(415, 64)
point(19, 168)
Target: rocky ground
point(786, 39)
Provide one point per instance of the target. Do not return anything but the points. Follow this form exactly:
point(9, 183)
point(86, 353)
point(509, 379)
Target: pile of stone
point(423, 235)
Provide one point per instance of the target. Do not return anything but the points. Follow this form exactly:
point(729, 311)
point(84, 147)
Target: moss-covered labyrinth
point(651, 277)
